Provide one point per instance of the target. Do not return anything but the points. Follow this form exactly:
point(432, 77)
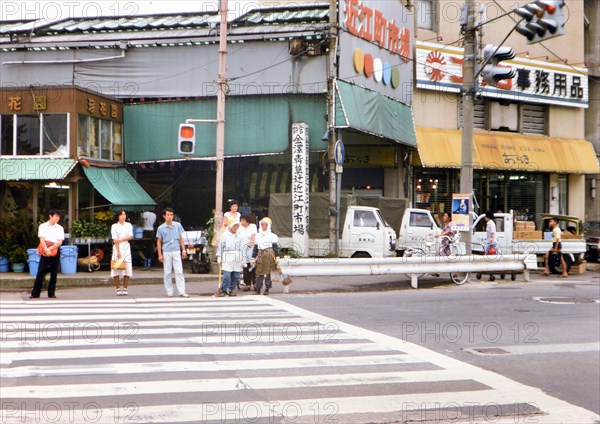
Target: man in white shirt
point(51, 236)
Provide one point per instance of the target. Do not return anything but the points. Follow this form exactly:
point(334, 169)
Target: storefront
point(512, 171)
point(46, 133)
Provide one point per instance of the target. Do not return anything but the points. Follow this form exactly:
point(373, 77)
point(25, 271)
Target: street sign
point(340, 153)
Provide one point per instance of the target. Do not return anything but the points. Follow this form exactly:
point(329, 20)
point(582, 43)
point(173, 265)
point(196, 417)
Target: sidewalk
point(148, 282)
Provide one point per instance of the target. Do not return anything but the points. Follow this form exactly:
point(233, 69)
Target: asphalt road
point(545, 333)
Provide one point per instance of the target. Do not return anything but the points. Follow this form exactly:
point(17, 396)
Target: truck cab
point(417, 226)
point(365, 233)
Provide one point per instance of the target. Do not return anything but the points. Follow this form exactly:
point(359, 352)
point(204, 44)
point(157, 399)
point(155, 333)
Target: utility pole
point(331, 75)
point(222, 81)
point(470, 57)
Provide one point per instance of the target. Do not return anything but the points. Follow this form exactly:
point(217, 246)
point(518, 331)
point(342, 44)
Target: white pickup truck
point(418, 225)
point(512, 239)
point(364, 234)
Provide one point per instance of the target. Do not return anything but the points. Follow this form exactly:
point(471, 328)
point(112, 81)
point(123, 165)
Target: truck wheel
point(459, 277)
point(492, 277)
point(556, 267)
point(513, 277)
point(478, 275)
point(361, 255)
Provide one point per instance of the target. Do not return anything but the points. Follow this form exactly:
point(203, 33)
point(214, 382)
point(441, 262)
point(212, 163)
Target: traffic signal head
point(187, 139)
point(545, 20)
point(492, 73)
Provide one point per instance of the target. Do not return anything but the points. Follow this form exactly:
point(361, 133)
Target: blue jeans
point(230, 281)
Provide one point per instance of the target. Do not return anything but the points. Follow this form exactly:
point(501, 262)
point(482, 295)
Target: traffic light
point(545, 20)
point(187, 139)
point(492, 72)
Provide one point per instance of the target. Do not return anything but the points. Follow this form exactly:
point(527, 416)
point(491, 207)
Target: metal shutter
point(533, 118)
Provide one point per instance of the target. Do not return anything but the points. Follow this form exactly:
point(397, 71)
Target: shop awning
point(373, 113)
point(35, 168)
point(439, 148)
point(119, 187)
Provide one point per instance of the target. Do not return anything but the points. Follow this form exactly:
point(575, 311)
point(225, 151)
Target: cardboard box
point(578, 268)
point(569, 236)
point(525, 225)
point(527, 235)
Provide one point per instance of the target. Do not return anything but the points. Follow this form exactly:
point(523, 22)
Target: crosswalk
point(252, 359)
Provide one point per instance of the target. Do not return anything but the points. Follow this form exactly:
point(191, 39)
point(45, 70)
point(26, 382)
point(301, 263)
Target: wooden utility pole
point(222, 81)
point(332, 44)
point(470, 57)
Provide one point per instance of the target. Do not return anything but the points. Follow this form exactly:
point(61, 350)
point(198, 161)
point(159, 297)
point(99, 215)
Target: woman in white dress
point(121, 232)
point(232, 215)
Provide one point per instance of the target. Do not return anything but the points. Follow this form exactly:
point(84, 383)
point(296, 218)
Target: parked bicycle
point(455, 250)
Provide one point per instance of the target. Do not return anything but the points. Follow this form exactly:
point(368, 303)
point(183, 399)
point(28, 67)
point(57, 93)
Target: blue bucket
point(4, 264)
point(34, 261)
point(68, 259)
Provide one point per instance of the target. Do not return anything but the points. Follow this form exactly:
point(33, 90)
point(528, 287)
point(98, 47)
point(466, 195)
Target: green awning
point(119, 187)
point(373, 113)
point(35, 168)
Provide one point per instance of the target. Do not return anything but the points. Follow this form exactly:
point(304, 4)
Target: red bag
point(52, 252)
point(492, 251)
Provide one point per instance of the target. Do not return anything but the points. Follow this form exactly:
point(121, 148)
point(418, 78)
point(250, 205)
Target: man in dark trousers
point(51, 236)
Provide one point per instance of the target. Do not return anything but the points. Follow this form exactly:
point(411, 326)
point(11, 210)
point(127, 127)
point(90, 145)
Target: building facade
point(163, 70)
point(531, 154)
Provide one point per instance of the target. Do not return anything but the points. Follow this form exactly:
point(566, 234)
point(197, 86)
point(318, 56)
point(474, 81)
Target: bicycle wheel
point(414, 253)
point(459, 277)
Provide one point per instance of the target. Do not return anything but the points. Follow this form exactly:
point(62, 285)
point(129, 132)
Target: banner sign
point(300, 187)
point(461, 207)
point(440, 68)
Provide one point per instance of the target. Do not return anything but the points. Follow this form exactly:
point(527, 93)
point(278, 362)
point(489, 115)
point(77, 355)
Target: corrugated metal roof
point(178, 36)
point(134, 23)
point(103, 32)
point(312, 13)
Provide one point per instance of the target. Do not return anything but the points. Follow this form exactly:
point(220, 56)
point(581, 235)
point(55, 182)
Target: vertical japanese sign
point(461, 207)
point(300, 187)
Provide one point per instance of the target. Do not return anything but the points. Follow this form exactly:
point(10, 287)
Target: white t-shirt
point(490, 230)
point(51, 233)
point(246, 232)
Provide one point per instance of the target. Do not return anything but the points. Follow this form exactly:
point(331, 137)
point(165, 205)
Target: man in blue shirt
point(171, 250)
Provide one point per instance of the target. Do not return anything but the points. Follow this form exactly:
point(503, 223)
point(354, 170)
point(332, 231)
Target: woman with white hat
point(230, 258)
point(266, 253)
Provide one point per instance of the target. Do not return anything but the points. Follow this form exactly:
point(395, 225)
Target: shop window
point(533, 118)
point(54, 134)
point(6, 135)
point(426, 16)
point(43, 134)
point(563, 195)
point(99, 138)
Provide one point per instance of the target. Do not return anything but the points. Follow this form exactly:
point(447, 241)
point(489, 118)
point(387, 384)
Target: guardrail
point(413, 266)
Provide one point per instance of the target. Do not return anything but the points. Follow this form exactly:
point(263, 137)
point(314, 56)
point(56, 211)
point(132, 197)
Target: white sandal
point(124, 292)
point(119, 292)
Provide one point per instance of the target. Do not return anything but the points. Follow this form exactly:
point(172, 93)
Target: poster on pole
point(300, 188)
point(461, 208)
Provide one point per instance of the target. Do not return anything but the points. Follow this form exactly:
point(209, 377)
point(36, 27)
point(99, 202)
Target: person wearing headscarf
point(266, 254)
point(231, 258)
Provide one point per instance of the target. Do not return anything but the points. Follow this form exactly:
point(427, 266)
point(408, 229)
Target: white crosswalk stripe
point(249, 359)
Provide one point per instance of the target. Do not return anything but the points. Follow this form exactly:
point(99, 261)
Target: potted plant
point(18, 258)
point(7, 240)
